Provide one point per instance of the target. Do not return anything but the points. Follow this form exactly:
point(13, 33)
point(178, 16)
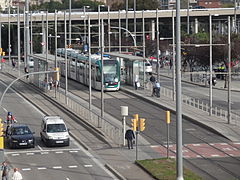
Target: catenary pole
point(179, 158)
point(90, 63)
point(229, 70)
point(210, 61)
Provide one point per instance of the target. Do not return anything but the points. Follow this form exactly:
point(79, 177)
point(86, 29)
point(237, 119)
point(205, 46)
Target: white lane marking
point(39, 151)
point(72, 166)
point(40, 147)
point(190, 129)
point(59, 152)
point(15, 154)
point(212, 144)
point(223, 144)
point(196, 144)
point(30, 154)
point(88, 165)
point(57, 167)
point(215, 155)
point(26, 169)
point(73, 151)
point(42, 168)
point(67, 179)
point(236, 143)
point(44, 152)
point(199, 156)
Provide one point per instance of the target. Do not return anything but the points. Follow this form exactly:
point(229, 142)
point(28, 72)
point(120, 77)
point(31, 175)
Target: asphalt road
point(44, 162)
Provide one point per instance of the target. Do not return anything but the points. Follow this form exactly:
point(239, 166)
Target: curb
point(150, 174)
point(116, 173)
point(79, 141)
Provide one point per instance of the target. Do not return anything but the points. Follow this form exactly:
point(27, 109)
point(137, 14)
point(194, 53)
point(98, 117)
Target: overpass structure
point(114, 15)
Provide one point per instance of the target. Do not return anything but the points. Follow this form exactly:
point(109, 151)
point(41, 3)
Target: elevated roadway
point(114, 15)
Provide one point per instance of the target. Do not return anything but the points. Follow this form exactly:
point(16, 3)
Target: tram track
point(202, 140)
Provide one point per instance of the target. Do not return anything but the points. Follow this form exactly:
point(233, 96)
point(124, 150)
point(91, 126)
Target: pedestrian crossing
point(202, 150)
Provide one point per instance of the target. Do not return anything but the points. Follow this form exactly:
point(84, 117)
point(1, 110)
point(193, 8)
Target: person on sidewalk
point(129, 135)
point(5, 171)
point(136, 81)
point(16, 175)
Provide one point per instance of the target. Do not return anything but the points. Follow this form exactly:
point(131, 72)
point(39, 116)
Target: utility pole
point(70, 23)
point(90, 63)
point(27, 32)
point(179, 156)
point(229, 70)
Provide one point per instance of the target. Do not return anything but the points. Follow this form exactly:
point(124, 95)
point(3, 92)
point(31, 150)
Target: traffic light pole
point(137, 144)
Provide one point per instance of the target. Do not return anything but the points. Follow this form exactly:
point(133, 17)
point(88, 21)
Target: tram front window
point(110, 78)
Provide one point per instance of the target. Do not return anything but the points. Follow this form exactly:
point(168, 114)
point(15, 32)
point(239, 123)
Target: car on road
point(54, 131)
point(20, 136)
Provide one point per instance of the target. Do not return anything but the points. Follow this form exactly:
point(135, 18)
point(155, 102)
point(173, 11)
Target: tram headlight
point(116, 79)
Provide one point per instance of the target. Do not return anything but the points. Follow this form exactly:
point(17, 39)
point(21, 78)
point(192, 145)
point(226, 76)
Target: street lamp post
point(109, 25)
point(9, 35)
point(99, 27)
point(84, 21)
point(65, 57)
point(229, 70)
point(173, 58)
point(188, 29)
point(210, 59)
point(132, 35)
point(70, 22)
point(179, 157)
point(158, 54)
point(90, 64)
point(102, 73)
point(119, 25)
point(18, 34)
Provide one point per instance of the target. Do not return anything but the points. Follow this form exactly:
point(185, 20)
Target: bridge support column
point(196, 26)
point(153, 29)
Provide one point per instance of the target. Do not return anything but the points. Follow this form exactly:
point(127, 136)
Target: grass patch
point(165, 169)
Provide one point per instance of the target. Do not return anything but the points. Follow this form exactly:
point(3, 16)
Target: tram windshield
point(110, 72)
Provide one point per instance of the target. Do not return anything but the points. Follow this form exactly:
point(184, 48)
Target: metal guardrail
point(111, 130)
point(200, 105)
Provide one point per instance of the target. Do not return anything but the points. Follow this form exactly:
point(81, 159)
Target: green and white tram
point(78, 70)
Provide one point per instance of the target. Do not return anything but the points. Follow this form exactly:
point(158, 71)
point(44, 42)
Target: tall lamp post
point(9, 35)
point(210, 59)
point(70, 22)
point(229, 70)
point(179, 157)
point(99, 25)
point(18, 32)
point(84, 20)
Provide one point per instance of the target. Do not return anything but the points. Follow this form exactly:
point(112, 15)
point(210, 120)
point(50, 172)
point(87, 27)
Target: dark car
point(20, 136)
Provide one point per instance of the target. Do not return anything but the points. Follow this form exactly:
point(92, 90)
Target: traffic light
point(1, 128)
point(135, 116)
point(3, 53)
point(142, 124)
point(147, 37)
point(134, 124)
point(56, 76)
point(168, 117)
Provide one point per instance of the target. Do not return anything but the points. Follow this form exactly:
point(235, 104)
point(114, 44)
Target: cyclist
point(10, 118)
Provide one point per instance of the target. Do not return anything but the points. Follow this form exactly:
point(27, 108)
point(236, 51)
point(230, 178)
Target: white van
point(54, 131)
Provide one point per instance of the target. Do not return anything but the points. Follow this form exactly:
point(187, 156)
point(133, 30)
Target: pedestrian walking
point(13, 63)
point(16, 175)
point(129, 135)
point(156, 89)
point(26, 72)
point(5, 170)
point(136, 81)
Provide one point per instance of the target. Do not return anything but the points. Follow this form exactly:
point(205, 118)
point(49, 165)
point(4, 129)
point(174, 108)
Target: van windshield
point(53, 128)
